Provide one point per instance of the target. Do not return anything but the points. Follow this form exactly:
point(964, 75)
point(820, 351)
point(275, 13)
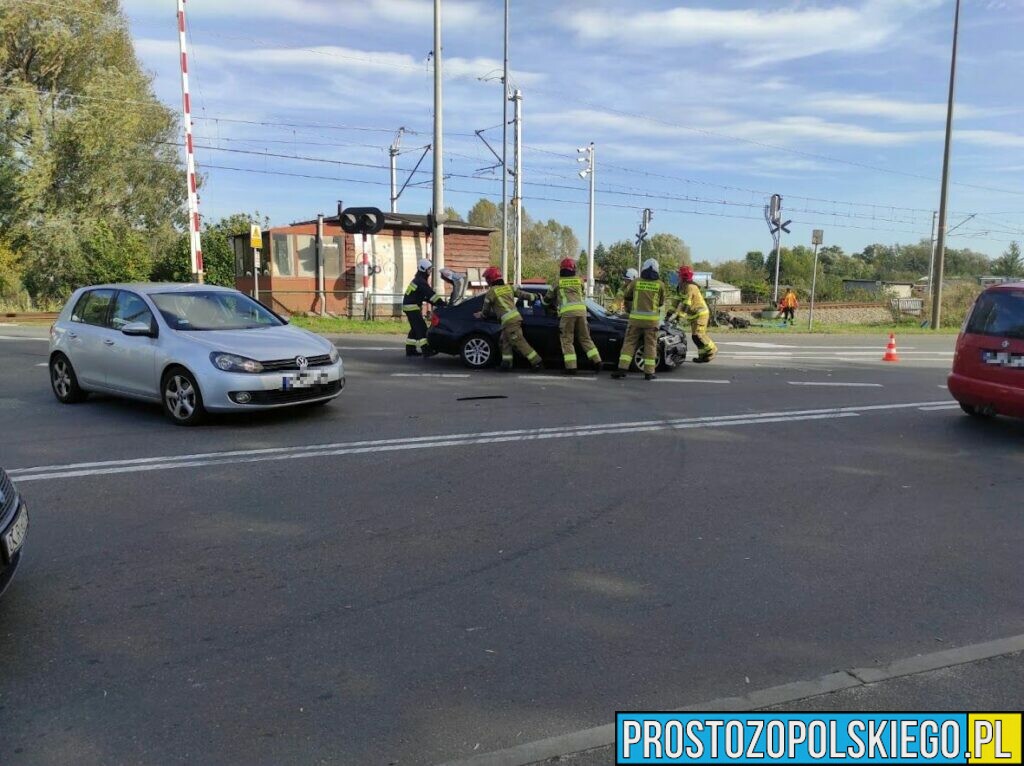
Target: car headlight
point(234, 363)
point(335, 356)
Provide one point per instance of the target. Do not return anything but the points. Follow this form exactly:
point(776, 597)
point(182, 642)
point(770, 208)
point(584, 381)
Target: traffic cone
point(890, 350)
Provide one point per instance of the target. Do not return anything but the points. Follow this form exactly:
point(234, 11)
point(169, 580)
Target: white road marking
point(692, 380)
point(940, 407)
point(18, 337)
point(429, 375)
point(534, 376)
point(836, 384)
point(369, 348)
point(943, 386)
point(235, 457)
point(43, 364)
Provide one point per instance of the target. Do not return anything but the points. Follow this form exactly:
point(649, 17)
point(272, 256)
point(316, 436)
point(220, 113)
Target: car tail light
point(435, 320)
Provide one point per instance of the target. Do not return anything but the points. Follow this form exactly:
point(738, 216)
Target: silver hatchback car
point(193, 348)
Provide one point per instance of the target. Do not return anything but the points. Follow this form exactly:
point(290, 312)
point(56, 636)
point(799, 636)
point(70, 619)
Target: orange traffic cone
point(890, 350)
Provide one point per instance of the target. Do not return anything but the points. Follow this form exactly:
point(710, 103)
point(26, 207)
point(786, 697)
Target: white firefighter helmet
point(425, 265)
point(632, 274)
point(651, 263)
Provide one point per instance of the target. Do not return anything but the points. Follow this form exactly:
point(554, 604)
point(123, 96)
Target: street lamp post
point(588, 172)
point(940, 244)
point(817, 237)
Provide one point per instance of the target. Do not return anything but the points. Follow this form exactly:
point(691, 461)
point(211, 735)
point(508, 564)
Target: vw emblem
point(1006, 344)
point(302, 362)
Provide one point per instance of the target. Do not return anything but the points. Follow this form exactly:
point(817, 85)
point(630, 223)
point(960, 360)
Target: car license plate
point(303, 380)
point(14, 537)
point(1003, 359)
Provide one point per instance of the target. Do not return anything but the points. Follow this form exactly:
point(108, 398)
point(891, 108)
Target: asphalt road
point(416, 574)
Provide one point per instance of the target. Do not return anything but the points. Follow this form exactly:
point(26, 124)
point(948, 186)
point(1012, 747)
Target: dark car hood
point(620, 323)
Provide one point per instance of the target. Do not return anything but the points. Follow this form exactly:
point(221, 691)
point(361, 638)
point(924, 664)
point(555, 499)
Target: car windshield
point(199, 311)
point(998, 313)
point(597, 308)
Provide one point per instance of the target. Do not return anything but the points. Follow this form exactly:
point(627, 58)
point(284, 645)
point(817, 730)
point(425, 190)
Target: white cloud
point(761, 36)
point(863, 105)
point(314, 12)
point(328, 58)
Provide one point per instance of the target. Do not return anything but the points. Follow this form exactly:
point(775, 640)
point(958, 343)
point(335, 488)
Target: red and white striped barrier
point(195, 245)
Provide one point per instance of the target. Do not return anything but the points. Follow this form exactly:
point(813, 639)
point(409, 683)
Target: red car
point(988, 368)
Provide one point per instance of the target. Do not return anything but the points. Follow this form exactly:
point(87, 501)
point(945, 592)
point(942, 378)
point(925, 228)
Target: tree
point(755, 260)
point(452, 214)
point(1010, 263)
point(544, 245)
point(669, 250)
point(486, 213)
point(174, 265)
point(87, 153)
point(613, 261)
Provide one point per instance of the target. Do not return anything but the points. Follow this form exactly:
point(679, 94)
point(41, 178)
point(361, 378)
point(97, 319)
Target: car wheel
point(64, 381)
point(478, 352)
point(181, 398)
point(976, 412)
point(638, 358)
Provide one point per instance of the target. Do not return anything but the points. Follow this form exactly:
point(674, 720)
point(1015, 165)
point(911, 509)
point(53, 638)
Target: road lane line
point(533, 376)
point(18, 337)
point(835, 385)
point(429, 375)
point(692, 380)
point(941, 407)
point(231, 457)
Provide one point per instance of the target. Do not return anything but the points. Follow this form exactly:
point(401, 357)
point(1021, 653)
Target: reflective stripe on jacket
point(692, 304)
point(645, 298)
point(567, 296)
point(500, 302)
point(419, 291)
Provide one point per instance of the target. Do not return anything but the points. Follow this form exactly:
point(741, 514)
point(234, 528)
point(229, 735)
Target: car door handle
point(108, 342)
point(72, 335)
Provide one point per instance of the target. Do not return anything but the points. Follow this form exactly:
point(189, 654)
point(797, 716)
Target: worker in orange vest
point(789, 305)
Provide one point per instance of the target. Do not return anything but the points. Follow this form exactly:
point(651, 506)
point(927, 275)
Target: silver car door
point(86, 336)
point(131, 359)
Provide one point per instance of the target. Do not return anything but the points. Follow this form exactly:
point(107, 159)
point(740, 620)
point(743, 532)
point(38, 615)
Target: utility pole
point(438, 234)
point(588, 157)
point(393, 153)
point(517, 194)
point(817, 237)
point(940, 245)
point(320, 282)
point(931, 257)
point(195, 244)
point(504, 154)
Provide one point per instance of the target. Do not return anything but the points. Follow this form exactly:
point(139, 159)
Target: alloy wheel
point(61, 378)
point(477, 352)
point(180, 395)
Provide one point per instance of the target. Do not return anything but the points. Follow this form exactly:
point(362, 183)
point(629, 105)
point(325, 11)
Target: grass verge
point(882, 328)
point(346, 326)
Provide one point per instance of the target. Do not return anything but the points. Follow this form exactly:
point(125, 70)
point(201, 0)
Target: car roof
point(161, 287)
point(1005, 286)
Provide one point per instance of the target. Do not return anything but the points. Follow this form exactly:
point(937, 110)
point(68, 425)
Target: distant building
point(879, 288)
point(723, 292)
point(288, 268)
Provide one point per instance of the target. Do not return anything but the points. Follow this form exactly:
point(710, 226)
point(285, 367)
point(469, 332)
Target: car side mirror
point(138, 329)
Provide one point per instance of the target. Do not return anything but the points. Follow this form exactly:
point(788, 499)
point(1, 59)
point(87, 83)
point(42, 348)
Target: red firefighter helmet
point(567, 264)
point(492, 275)
point(685, 274)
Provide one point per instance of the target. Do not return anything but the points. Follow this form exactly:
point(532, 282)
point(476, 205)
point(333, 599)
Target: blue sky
point(699, 110)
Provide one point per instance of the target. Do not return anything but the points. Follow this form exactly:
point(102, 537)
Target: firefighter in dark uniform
point(500, 302)
point(644, 298)
point(417, 293)
point(567, 296)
